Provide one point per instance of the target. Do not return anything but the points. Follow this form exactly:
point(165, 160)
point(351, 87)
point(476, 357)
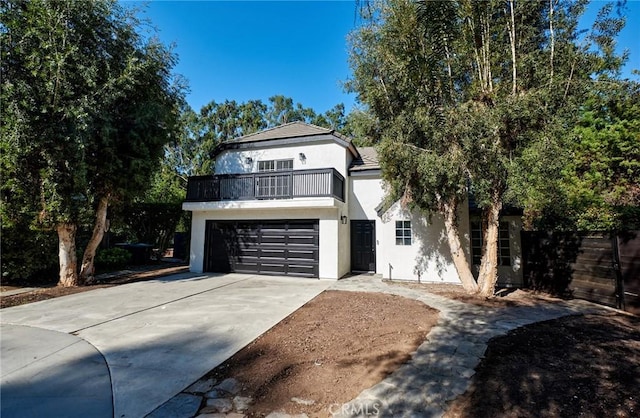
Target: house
point(302, 200)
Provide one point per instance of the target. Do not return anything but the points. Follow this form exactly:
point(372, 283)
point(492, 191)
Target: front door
point(363, 246)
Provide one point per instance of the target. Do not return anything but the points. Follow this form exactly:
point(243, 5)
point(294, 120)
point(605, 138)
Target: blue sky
point(241, 50)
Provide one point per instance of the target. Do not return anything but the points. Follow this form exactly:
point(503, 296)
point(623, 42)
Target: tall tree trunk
point(552, 41)
point(67, 254)
point(512, 39)
point(458, 255)
point(488, 275)
point(88, 267)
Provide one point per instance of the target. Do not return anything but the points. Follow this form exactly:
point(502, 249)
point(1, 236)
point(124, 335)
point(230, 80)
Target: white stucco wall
point(365, 194)
point(329, 227)
point(428, 257)
point(327, 154)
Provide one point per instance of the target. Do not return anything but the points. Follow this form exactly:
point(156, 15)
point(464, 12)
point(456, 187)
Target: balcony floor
point(295, 203)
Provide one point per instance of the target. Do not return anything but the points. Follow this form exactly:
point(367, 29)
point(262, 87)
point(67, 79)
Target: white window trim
point(403, 237)
point(275, 165)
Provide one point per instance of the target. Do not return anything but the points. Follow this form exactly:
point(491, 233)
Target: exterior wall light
point(303, 157)
point(248, 160)
point(343, 219)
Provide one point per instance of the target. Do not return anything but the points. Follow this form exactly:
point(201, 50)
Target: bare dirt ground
point(47, 289)
point(579, 366)
point(503, 299)
point(328, 351)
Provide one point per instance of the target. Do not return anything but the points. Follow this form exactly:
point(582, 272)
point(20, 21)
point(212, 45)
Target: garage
point(277, 247)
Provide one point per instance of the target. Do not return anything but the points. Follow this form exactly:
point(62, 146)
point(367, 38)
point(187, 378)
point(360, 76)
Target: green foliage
point(28, 254)
point(468, 96)
point(601, 178)
point(88, 104)
point(149, 223)
point(112, 258)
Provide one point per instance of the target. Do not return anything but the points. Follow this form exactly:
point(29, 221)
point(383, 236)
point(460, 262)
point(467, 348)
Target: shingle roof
point(288, 130)
point(368, 160)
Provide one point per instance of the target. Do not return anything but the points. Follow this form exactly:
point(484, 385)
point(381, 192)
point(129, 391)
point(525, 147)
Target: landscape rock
point(216, 394)
point(229, 385)
point(218, 405)
point(201, 386)
point(182, 405)
point(280, 414)
point(302, 401)
point(241, 403)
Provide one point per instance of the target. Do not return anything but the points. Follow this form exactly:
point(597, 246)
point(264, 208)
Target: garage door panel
point(275, 239)
point(247, 266)
point(303, 270)
point(269, 247)
point(303, 240)
point(278, 254)
point(311, 225)
point(302, 255)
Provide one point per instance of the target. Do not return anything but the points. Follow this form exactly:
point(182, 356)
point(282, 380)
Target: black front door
point(363, 246)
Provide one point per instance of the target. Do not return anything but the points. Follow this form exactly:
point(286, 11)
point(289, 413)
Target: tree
point(602, 177)
point(461, 90)
point(598, 169)
point(88, 104)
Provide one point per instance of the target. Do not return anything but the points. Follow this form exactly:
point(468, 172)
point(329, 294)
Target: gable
point(290, 134)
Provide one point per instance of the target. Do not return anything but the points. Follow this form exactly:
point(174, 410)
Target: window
point(504, 249)
point(276, 185)
point(275, 165)
point(403, 232)
point(266, 166)
point(282, 165)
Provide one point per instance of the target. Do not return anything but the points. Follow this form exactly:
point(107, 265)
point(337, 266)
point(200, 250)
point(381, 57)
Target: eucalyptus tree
point(88, 103)
point(462, 89)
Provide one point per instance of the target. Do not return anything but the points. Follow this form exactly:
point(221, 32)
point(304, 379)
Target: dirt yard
point(328, 351)
point(579, 366)
point(48, 289)
point(503, 299)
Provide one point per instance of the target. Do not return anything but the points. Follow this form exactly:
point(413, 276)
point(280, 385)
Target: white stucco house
point(302, 200)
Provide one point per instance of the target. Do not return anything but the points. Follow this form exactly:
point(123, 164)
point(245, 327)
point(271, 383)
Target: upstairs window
point(504, 248)
point(275, 165)
point(403, 232)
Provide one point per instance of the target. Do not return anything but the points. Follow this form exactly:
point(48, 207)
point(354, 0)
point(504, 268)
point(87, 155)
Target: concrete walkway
point(153, 339)
point(442, 366)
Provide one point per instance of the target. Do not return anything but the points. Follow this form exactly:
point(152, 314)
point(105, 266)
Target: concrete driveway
point(123, 351)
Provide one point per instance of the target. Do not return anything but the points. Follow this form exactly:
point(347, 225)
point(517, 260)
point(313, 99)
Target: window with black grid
point(403, 232)
point(504, 248)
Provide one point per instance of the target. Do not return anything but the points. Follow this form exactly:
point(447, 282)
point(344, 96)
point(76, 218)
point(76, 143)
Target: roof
point(288, 130)
point(367, 160)
point(289, 133)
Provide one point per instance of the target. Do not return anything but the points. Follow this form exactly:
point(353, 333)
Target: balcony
point(266, 186)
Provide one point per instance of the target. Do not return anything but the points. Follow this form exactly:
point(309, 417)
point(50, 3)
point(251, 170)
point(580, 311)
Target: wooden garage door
point(266, 247)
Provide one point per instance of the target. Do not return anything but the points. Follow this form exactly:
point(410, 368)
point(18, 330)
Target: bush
point(28, 255)
point(113, 258)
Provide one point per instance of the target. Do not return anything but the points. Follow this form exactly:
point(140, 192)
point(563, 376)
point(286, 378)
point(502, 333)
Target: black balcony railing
point(270, 185)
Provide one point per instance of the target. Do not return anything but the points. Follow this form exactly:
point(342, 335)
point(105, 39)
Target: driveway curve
point(45, 371)
point(157, 337)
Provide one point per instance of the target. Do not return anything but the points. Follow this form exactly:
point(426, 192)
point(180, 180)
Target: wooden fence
point(600, 267)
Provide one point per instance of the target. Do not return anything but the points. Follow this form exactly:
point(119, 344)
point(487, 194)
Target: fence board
point(598, 267)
